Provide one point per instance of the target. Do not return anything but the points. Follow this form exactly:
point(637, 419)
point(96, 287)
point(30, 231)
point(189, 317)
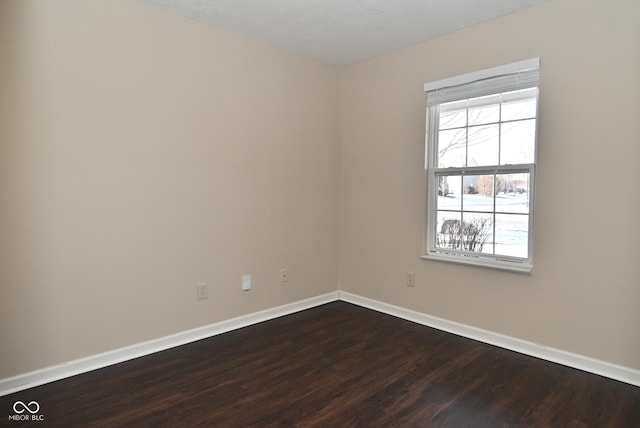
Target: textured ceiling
point(342, 31)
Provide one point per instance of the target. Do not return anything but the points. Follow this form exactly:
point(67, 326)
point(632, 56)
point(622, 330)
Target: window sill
point(525, 268)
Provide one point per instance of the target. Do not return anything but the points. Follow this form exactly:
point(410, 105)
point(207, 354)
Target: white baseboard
point(602, 368)
point(72, 368)
point(83, 365)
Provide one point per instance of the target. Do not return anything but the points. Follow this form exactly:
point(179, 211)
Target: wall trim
point(599, 367)
point(98, 361)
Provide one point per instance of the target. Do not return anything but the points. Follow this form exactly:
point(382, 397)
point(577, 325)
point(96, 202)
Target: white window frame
point(485, 82)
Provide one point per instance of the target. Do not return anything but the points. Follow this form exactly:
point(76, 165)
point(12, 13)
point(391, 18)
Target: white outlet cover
point(246, 282)
point(202, 292)
point(411, 279)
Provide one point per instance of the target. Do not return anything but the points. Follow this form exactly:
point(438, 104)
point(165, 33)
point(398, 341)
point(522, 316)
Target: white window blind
point(512, 77)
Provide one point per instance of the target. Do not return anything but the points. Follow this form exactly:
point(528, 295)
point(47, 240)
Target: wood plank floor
point(337, 365)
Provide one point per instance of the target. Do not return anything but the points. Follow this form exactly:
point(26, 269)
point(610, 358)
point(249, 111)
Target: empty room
point(357, 213)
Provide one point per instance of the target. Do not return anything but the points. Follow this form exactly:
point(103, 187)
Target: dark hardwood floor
point(337, 365)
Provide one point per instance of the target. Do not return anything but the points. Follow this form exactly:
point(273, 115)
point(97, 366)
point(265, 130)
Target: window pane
point(513, 193)
point(449, 191)
point(483, 145)
point(519, 104)
point(452, 148)
point(518, 142)
point(478, 193)
point(448, 233)
point(477, 232)
point(512, 232)
point(453, 115)
point(484, 110)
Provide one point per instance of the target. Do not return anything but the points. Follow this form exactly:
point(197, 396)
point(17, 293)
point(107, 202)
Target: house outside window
point(481, 158)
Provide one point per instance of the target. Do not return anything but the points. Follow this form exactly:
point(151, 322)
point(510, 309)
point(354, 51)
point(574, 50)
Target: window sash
point(432, 232)
point(485, 170)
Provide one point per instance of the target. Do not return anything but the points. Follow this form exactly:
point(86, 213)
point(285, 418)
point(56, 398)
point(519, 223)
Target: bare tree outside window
point(465, 236)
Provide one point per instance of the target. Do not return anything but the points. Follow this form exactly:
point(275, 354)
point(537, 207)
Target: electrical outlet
point(411, 279)
point(201, 291)
point(284, 275)
point(246, 282)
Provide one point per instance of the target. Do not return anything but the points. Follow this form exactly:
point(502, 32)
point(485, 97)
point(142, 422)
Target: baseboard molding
point(72, 368)
point(602, 368)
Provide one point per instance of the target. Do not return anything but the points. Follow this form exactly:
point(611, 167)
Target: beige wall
point(142, 153)
point(584, 293)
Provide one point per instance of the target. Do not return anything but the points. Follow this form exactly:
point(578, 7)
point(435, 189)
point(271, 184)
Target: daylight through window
point(481, 154)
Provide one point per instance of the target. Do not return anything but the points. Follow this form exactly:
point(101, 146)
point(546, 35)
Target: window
point(481, 158)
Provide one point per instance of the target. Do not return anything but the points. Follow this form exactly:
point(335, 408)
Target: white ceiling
point(343, 31)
